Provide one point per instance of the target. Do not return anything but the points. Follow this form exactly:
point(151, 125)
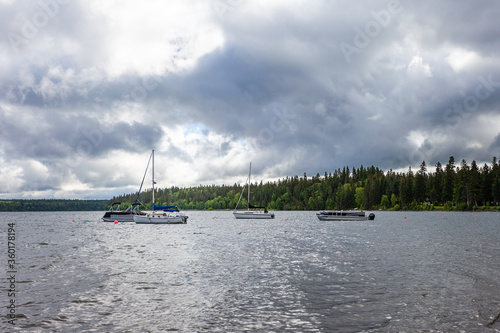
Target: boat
point(116, 214)
point(344, 215)
point(251, 214)
point(160, 214)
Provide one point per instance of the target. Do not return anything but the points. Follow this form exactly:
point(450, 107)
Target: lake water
point(428, 272)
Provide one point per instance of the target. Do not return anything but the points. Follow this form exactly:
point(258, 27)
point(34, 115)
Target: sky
point(89, 88)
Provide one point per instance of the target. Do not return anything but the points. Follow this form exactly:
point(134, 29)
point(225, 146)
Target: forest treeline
point(39, 205)
point(449, 187)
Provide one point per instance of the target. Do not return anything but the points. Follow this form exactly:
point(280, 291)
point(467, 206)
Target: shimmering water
point(429, 272)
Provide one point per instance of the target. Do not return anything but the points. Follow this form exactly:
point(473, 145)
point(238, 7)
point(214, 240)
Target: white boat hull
point(253, 215)
point(160, 219)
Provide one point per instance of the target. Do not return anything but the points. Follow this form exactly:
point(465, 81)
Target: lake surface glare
point(402, 272)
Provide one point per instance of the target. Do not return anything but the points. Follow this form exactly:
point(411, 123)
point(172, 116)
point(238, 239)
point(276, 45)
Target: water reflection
point(293, 273)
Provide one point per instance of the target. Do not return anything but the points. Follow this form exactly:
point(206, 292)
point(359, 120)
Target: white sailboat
point(251, 214)
point(160, 214)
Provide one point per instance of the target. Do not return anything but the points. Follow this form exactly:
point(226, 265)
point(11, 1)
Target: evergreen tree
point(495, 188)
point(420, 183)
point(364, 188)
point(449, 179)
point(486, 184)
point(407, 188)
point(437, 187)
point(461, 190)
point(474, 185)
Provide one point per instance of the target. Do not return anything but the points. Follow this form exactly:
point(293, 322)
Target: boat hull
point(344, 216)
point(120, 216)
point(253, 215)
point(160, 219)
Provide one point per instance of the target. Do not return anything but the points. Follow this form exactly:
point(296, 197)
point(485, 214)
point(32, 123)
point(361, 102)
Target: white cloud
point(10, 177)
point(416, 138)
point(418, 69)
point(461, 59)
point(155, 36)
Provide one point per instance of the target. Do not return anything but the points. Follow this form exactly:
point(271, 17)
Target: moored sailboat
point(251, 214)
point(160, 214)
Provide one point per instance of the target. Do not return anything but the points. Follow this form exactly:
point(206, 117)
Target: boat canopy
point(166, 208)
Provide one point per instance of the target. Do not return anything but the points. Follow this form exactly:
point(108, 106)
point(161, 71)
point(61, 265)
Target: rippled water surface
point(430, 271)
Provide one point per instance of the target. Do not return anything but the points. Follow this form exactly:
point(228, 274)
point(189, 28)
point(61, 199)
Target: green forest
point(450, 187)
point(41, 205)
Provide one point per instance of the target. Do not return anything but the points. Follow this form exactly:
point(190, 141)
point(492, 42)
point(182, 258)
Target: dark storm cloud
point(470, 24)
point(495, 146)
point(407, 97)
point(56, 135)
point(305, 87)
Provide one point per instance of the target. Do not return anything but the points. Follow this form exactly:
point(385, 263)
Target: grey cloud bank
point(87, 89)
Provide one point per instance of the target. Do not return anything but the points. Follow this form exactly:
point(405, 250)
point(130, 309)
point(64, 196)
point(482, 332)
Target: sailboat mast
point(249, 184)
point(153, 180)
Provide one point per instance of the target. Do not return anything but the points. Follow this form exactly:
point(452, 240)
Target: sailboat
point(251, 214)
point(160, 214)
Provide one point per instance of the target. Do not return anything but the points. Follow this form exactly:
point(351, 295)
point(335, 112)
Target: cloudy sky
point(89, 87)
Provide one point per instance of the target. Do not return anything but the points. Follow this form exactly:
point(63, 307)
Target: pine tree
point(474, 184)
point(420, 183)
point(495, 188)
point(437, 188)
point(461, 191)
point(449, 179)
point(486, 184)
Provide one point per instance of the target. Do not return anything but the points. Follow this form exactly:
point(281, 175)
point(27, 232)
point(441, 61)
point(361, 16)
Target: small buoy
point(116, 221)
point(73, 221)
point(405, 216)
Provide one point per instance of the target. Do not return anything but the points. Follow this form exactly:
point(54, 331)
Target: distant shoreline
point(494, 209)
point(51, 205)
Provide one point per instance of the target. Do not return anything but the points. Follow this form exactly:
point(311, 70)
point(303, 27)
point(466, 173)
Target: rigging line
point(143, 177)
point(246, 180)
